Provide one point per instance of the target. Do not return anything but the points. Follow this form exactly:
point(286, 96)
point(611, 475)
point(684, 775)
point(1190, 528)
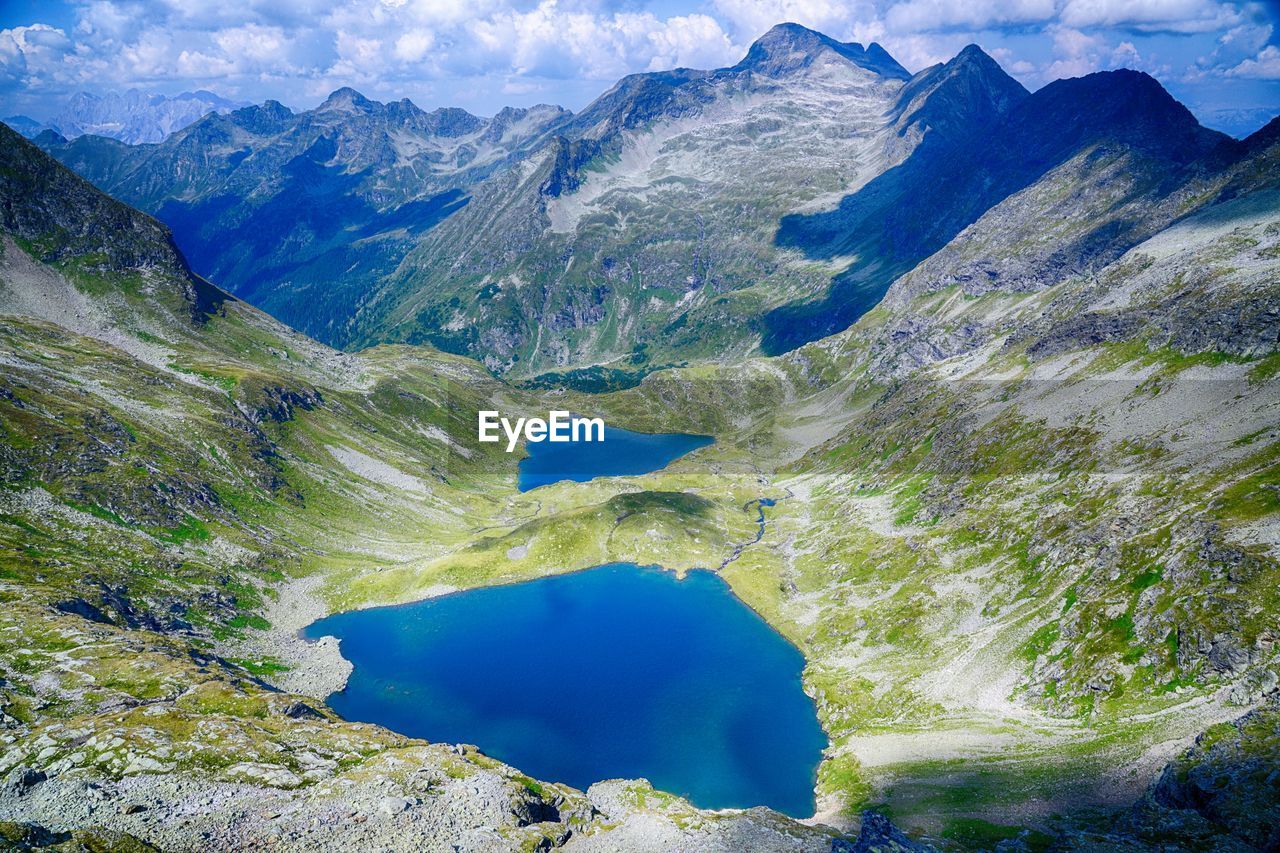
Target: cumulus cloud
point(1011, 63)
point(750, 19)
point(1076, 53)
point(37, 48)
point(927, 15)
point(692, 41)
point(1181, 16)
point(414, 44)
point(556, 42)
point(484, 53)
point(1264, 66)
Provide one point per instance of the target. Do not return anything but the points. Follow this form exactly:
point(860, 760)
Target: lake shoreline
point(316, 668)
point(613, 598)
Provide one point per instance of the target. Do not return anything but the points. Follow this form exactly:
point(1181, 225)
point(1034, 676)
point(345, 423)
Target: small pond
point(622, 453)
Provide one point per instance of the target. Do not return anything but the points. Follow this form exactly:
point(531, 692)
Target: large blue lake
point(618, 671)
point(621, 453)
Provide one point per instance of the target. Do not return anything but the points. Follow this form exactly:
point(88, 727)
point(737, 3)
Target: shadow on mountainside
point(314, 232)
point(951, 179)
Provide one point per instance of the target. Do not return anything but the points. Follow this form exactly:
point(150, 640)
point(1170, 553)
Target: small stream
point(760, 504)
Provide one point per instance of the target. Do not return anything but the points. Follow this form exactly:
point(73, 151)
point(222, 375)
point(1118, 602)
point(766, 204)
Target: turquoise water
point(622, 453)
point(618, 671)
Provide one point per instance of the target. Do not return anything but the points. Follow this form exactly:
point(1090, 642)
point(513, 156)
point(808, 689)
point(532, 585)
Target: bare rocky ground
point(391, 810)
point(315, 668)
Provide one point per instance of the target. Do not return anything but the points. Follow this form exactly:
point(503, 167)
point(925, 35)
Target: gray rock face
point(269, 203)
point(1222, 794)
point(790, 47)
point(721, 156)
point(879, 835)
point(20, 782)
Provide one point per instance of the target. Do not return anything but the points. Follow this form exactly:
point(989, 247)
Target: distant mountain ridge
point(683, 215)
point(133, 117)
point(300, 212)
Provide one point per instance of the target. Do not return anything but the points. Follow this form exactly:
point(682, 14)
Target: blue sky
point(1220, 57)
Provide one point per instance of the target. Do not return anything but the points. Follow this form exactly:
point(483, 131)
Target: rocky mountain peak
point(971, 87)
point(453, 122)
point(132, 117)
point(1265, 136)
point(974, 56)
point(977, 68)
point(791, 47)
point(345, 99)
point(446, 122)
point(267, 117)
point(49, 136)
point(881, 59)
point(537, 116)
point(84, 100)
point(509, 115)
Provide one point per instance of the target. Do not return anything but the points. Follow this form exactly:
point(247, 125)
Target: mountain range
point(1023, 503)
point(133, 117)
point(785, 194)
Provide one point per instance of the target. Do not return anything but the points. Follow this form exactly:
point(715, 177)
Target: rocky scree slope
point(171, 459)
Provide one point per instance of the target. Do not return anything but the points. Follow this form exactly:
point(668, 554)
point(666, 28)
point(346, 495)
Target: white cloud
point(1126, 55)
point(358, 57)
point(1182, 16)
point(694, 41)
point(194, 64)
point(918, 51)
point(549, 41)
point(1264, 66)
point(1011, 63)
point(107, 20)
point(1076, 53)
point(36, 45)
point(1248, 37)
point(252, 42)
point(749, 19)
point(414, 44)
point(933, 15)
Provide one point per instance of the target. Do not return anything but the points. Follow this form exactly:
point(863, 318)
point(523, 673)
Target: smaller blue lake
point(622, 453)
point(615, 672)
